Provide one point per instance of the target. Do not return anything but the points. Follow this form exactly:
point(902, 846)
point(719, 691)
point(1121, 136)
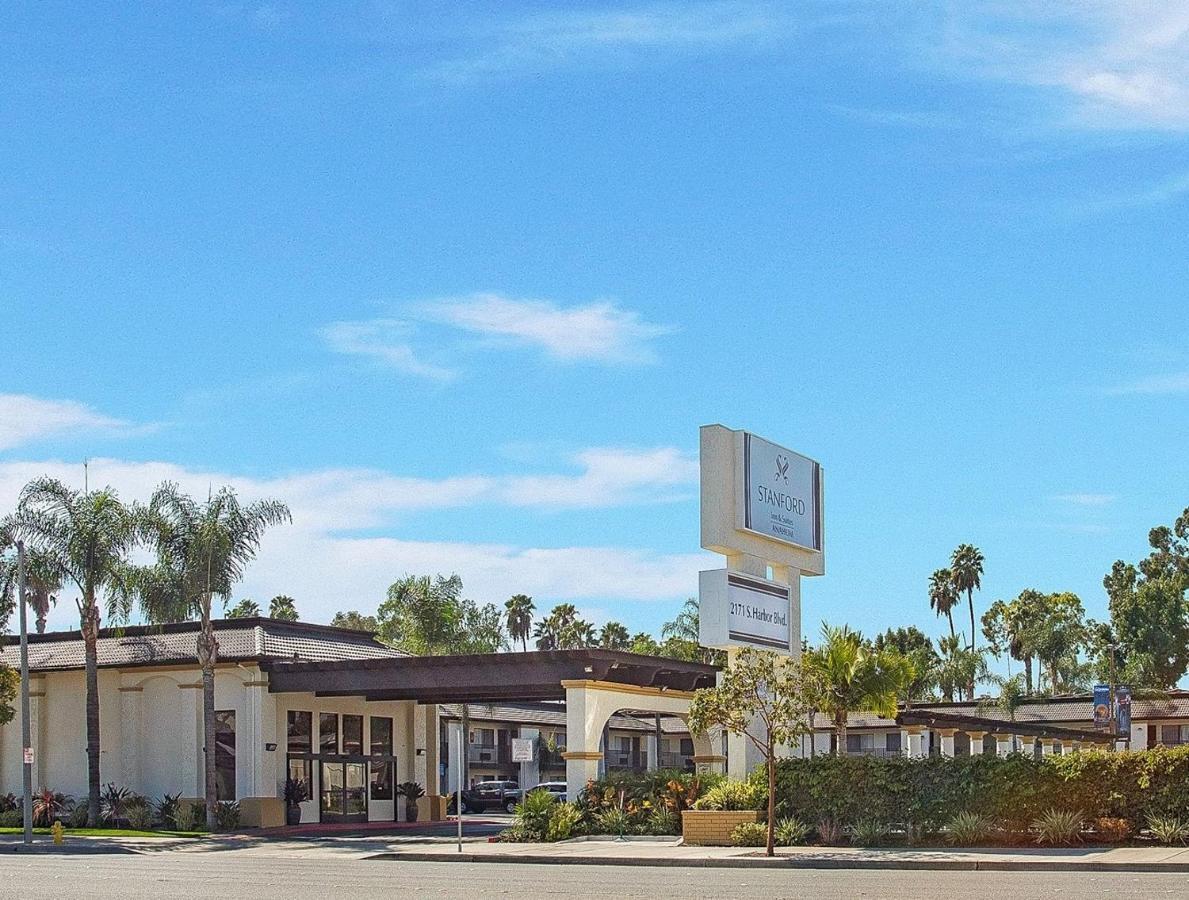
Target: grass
point(107, 832)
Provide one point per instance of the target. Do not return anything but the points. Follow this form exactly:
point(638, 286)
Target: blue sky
point(461, 283)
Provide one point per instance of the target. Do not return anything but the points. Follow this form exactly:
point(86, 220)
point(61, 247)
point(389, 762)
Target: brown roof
point(240, 640)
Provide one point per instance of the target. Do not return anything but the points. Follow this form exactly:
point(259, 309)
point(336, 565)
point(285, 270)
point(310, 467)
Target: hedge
point(926, 793)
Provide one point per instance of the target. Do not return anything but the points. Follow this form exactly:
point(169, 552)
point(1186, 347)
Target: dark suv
point(487, 795)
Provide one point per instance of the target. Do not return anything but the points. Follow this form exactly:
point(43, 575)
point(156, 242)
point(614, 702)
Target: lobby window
point(353, 735)
point(382, 770)
point(328, 733)
point(1174, 735)
point(892, 742)
point(301, 731)
point(225, 754)
point(381, 736)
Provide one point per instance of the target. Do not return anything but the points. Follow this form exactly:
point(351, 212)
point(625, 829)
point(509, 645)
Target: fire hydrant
point(58, 832)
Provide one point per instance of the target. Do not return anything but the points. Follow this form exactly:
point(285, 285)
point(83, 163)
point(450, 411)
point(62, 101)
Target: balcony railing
point(492, 756)
point(620, 759)
point(673, 760)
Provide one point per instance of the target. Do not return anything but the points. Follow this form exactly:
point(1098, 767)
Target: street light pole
point(26, 738)
point(1114, 725)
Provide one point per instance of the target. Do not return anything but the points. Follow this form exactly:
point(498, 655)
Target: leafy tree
point(1058, 635)
point(914, 645)
point(765, 698)
point(680, 638)
point(519, 611)
point(482, 629)
point(644, 644)
point(943, 596)
point(203, 548)
point(426, 616)
point(10, 682)
point(85, 537)
point(850, 676)
point(1009, 628)
point(283, 607)
point(245, 609)
point(356, 621)
point(959, 667)
point(614, 636)
point(42, 584)
point(1012, 695)
point(562, 629)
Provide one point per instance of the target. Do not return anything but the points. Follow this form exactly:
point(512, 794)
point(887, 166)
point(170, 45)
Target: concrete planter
point(713, 827)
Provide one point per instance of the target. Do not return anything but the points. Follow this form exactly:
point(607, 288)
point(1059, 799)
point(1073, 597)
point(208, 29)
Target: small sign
point(1102, 705)
point(28, 756)
point(522, 750)
point(738, 610)
point(270, 747)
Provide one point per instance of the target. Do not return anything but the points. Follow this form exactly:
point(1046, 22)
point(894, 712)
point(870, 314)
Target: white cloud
point(384, 340)
point(1176, 383)
point(1084, 499)
point(324, 561)
point(24, 419)
point(596, 332)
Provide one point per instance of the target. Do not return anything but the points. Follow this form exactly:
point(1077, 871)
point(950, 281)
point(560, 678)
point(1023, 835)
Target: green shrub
point(613, 821)
point(12, 818)
point(191, 816)
point(1058, 828)
point(532, 813)
point(140, 815)
point(113, 804)
point(790, 832)
point(167, 810)
point(9, 802)
point(750, 834)
point(870, 833)
point(830, 832)
point(1169, 829)
point(77, 817)
point(969, 828)
point(564, 821)
point(733, 796)
point(516, 834)
point(662, 821)
point(227, 815)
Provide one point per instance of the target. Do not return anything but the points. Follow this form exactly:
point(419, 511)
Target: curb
point(784, 862)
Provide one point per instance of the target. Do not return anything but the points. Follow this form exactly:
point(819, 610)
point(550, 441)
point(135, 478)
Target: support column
point(453, 758)
point(37, 725)
point(433, 771)
point(976, 742)
point(190, 701)
point(1026, 744)
point(1049, 747)
point(1003, 744)
point(916, 741)
point(420, 746)
point(947, 741)
point(584, 731)
point(530, 772)
point(1075, 746)
point(130, 713)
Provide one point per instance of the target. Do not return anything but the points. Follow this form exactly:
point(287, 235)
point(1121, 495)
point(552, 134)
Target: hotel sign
point(781, 494)
point(743, 610)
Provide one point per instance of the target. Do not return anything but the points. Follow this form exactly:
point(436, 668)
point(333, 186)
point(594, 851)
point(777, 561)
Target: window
point(483, 737)
point(302, 770)
point(353, 735)
point(328, 733)
point(225, 754)
point(381, 736)
point(381, 780)
point(892, 742)
point(687, 746)
point(301, 731)
point(1173, 735)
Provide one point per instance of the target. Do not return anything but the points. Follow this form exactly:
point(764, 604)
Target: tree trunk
point(89, 625)
point(970, 686)
point(840, 733)
point(949, 614)
point(208, 650)
point(771, 753)
point(1028, 674)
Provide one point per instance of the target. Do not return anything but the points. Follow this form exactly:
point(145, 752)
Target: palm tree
point(960, 667)
point(967, 568)
point(84, 537)
point(614, 636)
point(202, 550)
point(519, 614)
point(42, 583)
point(245, 609)
point(853, 677)
point(943, 596)
point(283, 607)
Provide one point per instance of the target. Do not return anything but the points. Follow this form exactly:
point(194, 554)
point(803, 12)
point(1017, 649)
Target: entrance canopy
point(478, 678)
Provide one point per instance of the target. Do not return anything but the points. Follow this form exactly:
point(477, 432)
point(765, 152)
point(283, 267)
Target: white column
point(584, 731)
point(37, 726)
point(651, 752)
point(420, 746)
point(265, 770)
point(821, 743)
point(947, 741)
point(130, 713)
point(1049, 747)
point(976, 742)
point(190, 701)
point(453, 759)
point(915, 746)
point(530, 772)
point(1003, 744)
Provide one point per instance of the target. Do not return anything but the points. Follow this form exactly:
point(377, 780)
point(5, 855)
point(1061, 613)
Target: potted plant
point(412, 792)
point(294, 793)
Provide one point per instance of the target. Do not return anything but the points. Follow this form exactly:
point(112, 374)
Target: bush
point(9, 802)
point(662, 821)
point(1058, 828)
point(733, 796)
point(750, 834)
point(564, 821)
point(227, 815)
point(830, 832)
point(113, 804)
point(870, 833)
point(12, 818)
point(790, 832)
point(140, 815)
point(49, 806)
point(1169, 830)
point(969, 828)
point(191, 816)
point(78, 816)
point(167, 810)
point(1112, 830)
point(532, 813)
point(613, 821)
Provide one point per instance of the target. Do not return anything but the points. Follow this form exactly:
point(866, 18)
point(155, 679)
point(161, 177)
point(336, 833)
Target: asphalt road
point(234, 874)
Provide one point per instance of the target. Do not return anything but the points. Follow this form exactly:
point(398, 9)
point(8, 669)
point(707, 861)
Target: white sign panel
point(522, 750)
point(737, 610)
point(781, 493)
point(28, 756)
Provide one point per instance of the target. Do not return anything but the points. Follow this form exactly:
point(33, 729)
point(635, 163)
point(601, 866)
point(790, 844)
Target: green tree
point(943, 596)
point(1012, 695)
point(245, 609)
point(356, 621)
point(967, 568)
point(284, 608)
point(850, 676)
point(10, 683)
point(680, 637)
point(563, 629)
point(42, 584)
point(614, 636)
point(959, 667)
point(1010, 628)
point(422, 615)
point(644, 644)
point(765, 698)
point(917, 648)
point(85, 538)
point(519, 610)
point(1057, 635)
point(202, 551)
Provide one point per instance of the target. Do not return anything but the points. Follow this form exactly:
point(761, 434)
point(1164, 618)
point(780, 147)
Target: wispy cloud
point(385, 341)
point(1085, 499)
point(24, 419)
point(1159, 194)
point(1175, 383)
point(555, 39)
point(596, 332)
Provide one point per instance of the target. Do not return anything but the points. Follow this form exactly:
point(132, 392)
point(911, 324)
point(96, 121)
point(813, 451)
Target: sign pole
point(26, 738)
point(462, 748)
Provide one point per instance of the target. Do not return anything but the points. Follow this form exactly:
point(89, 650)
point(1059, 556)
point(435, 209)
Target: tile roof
point(239, 640)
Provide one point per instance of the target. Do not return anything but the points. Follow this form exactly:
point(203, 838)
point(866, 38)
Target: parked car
point(487, 795)
point(556, 788)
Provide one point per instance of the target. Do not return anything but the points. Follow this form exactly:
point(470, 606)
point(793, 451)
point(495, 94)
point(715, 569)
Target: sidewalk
point(672, 853)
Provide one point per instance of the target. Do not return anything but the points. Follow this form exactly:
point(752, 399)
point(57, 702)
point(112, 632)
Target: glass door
point(344, 792)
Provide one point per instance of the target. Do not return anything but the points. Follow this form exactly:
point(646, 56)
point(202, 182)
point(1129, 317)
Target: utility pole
point(1114, 725)
point(26, 738)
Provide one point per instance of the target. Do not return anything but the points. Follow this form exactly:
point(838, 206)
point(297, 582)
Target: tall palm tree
point(614, 636)
point(519, 614)
point(202, 551)
point(967, 568)
point(850, 676)
point(943, 596)
point(42, 584)
point(245, 609)
point(85, 538)
point(283, 607)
